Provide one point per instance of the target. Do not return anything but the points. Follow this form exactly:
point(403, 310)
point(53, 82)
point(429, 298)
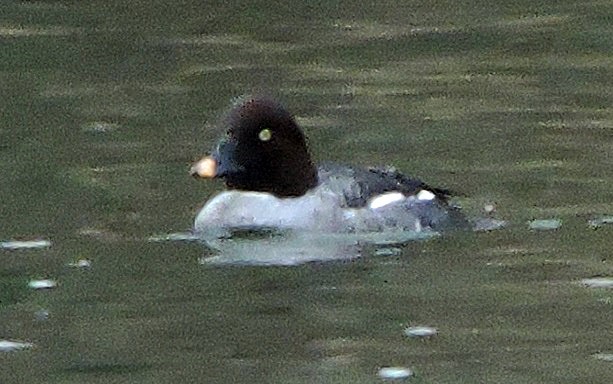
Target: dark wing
point(358, 185)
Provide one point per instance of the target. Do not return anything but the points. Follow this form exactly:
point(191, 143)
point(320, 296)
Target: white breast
point(315, 211)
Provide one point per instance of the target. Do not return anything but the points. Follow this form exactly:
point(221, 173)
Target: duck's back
point(358, 187)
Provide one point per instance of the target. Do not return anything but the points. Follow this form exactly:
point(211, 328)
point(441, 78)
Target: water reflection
point(294, 248)
point(262, 246)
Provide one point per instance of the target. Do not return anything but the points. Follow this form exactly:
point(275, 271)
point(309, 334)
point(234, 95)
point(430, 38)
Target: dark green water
point(105, 104)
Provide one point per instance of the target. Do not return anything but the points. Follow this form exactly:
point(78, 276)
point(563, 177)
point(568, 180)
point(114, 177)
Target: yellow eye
point(265, 134)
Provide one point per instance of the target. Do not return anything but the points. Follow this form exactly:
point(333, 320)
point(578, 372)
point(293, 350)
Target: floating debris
point(100, 127)
point(24, 244)
point(600, 221)
point(390, 251)
point(101, 234)
point(41, 315)
point(395, 373)
point(486, 224)
point(598, 282)
point(603, 356)
point(420, 331)
point(42, 284)
point(81, 263)
point(489, 208)
point(545, 224)
point(177, 236)
point(10, 346)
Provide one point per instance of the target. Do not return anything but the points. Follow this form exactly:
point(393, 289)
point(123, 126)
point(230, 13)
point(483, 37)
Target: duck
point(272, 183)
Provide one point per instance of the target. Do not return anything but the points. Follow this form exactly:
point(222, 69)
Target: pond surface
point(105, 105)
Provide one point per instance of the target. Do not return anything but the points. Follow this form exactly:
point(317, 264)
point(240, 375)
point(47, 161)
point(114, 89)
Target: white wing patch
point(385, 199)
point(425, 195)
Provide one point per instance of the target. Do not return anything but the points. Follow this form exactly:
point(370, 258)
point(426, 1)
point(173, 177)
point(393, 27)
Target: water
point(106, 105)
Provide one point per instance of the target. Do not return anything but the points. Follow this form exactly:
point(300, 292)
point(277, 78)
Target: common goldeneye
point(273, 184)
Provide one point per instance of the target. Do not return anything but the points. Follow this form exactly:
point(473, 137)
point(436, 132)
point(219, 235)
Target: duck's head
point(264, 150)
